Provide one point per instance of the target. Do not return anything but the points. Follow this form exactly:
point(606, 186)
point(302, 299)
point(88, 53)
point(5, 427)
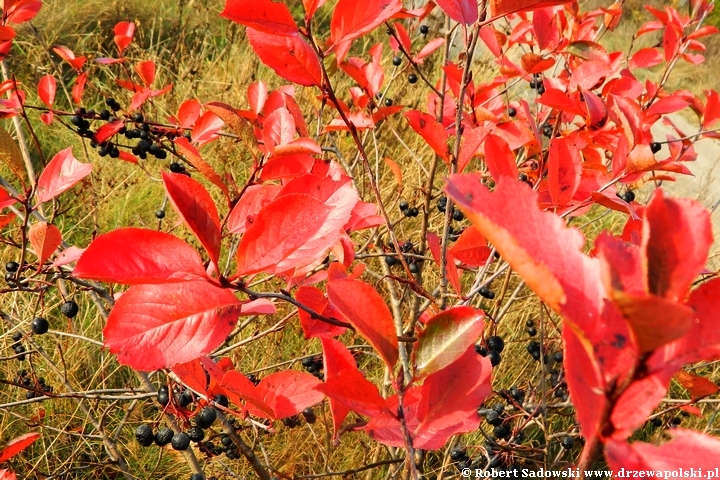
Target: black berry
point(414, 268)
point(197, 476)
point(206, 417)
point(414, 212)
point(403, 205)
point(558, 357)
point(105, 115)
point(396, 61)
point(655, 147)
point(628, 196)
point(163, 397)
point(12, 266)
point(39, 325)
point(512, 112)
point(144, 435)
point(412, 78)
point(493, 418)
point(496, 343)
point(138, 117)
point(532, 331)
point(388, 102)
point(499, 408)
point(309, 415)
point(458, 454)
point(221, 400)
point(485, 292)
point(69, 308)
point(567, 442)
point(180, 441)
point(175, 167)
point(391, 260)
point(424, 29)
point(481, 350)
point(457, 215)
point(494, 358)
point(164, 436)
point(17, 336)
point(196, 434)
point(160, 214)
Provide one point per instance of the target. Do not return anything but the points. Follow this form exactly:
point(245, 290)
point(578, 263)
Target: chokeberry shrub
point(382, 243)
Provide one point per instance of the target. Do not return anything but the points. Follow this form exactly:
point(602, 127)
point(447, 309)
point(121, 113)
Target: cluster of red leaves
point(620, 357)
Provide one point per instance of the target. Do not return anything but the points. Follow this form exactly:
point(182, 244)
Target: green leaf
point(445, 338)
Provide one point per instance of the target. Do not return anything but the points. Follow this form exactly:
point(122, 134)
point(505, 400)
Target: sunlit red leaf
point(17, 445)
point(289, 392)
point(471, 248)
point(433, 132)
point(279, 230)
point(362, 306)
point(265, 15)
point(499, 159)
point(46, 90)
point(68, 55)
point(124, 32)
point(646, 58)
point(291, 57)
point(352, 19)
point(61, 174)
point(252, 201)
point(534, 63)
point(311, 7)
point(697, 386)
point(351, 389)
point(193, 375)
point(564, 171)
point(336, 358)
point(193, 156)
point(240, 389)
point(79, 88)
point(45, 238)
point(453, 276)
point(314, 299)
point(205, 128)
point(108, 130)
point(136, 256)
point(499, 8)
point(187, 320)
point(197, 209)
point(462, 11)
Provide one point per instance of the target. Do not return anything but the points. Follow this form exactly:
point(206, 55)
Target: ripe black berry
point(499, 408)
point(105, 115)
point(493, 418)
point(185, 398)
point(397, 61)
point(17, 336)
point(197, 476)
point(160, 214)
point(414, 268)
point(290, 422)
point(138, 117)
point(512, 112)
point(39, 325)
point(496, 343)
point(532, 331)
point(164, 436)
point(540, 89)
point(412, 78)
point(458, 454)
point(69, 309)
point(206, 417)
point(485, 292)
point(655, 147)
point(457, 215)
point(442, 204)
point(175, 167)
point(221, 400)
point(180, 441)
point(494, 358)
point(388, 102)
point(196, 434)
point(481, 350)
point(76, 120)
point(547, 131)
point(414, 212)
point(628, 196)
point(309, 415)
point(424, 29)
point(533, 83)
point(163, 397)
point(12, 266)
point(391, 260)
point(530, 323)
point(558, 357)
point(567, 443)
point(403, 205)
point(144, 435)
point(407, 213)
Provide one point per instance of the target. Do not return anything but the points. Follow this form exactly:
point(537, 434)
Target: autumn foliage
point(636, 308)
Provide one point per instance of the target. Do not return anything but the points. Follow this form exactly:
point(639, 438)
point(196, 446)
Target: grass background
point(206, 58)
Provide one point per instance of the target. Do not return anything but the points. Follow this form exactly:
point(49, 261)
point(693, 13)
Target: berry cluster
point(537, 84)
point(531, 330)
point(457, 214)
point(414, 262)
point(178, 440)
point(308, 414)
point(407, 210)
point(18, 347)
point(36, 387)
point(12, 275)
point(314, 366)
point(492, 348)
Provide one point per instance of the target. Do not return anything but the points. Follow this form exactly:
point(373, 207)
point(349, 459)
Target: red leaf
point(17, 445)
point(197, 209)
point(677, 238)
point(79, 88)
point(265, 15)
point(252, 201)
point(279, 230)
point(68, 55)
point(499, 8)
point(499, 158)
point(471, 248)
point(193, 156)
point(687, 450)
point(450, 267)
point(46, 90)
point(429, 48)
point(6, 33)
point(45, 238)
point(449, 400)
point(697, 386)
point(289, 166)
point(22, 11)
point(446, 337)
point(239, 388)
point(193, 375)
point(187, 320)
point(124, 32)
point(289, 392)
point(188, 113)
point(314, 299)
point(108, 130)
point(432, 131)
point(336, 358)
point(588, 75)
point(597, 112)
point(136, 256)
point(311, 7)
point(352, 19)
point(646, 58)
point(146, 71)
point(534, 63)
point(365, 309)
point(564, 171)
point(292, 58)
point(462, 11)
point(7, 475)
point(352, 390)
point(61, 174)
point(205, 128)
point(69, 255)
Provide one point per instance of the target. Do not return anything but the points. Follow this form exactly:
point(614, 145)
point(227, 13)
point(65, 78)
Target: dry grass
point(204, 58)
